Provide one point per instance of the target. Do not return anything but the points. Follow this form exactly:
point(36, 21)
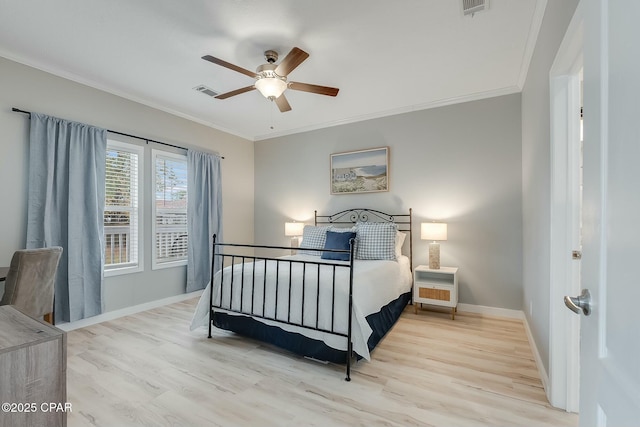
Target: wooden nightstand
point(436, 287)
point(33, 367)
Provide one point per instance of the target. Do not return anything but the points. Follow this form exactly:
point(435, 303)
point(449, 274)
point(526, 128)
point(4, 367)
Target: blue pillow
point(336, 240)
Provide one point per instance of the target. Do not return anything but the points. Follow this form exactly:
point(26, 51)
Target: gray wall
point(536, 173)
point(33, 90)
point(460, 164)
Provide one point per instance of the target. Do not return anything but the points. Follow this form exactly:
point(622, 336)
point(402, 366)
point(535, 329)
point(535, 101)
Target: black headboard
point(352, 216)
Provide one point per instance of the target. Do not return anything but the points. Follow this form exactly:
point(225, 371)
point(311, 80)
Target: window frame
point(139, 265)
point(155, 265)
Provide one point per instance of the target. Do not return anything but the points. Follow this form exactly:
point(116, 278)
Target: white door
point(610, 336)
point(565, 79)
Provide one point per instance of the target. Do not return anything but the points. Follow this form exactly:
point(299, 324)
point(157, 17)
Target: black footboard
point(252, 286)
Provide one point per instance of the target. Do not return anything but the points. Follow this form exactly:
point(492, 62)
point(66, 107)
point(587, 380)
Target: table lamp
point(293, 230)
point(434, 231)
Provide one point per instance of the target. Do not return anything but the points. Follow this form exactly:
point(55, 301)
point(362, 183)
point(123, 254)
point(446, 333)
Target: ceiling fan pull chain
point(271, 107)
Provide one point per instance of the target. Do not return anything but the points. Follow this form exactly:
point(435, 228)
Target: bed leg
point(210, 320)
point(213, 271)
point(349, 357)
point(352, 245)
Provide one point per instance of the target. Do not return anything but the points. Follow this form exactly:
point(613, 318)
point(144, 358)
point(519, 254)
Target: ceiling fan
point(271, 79)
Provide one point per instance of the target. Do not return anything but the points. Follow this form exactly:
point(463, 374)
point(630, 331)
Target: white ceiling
point(386, 57)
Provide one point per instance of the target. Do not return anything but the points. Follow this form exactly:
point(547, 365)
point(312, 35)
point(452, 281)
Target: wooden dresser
point(33, 371)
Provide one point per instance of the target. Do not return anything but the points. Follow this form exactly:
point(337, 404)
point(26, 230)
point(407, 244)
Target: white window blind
point(122, 210)
point(170, 209)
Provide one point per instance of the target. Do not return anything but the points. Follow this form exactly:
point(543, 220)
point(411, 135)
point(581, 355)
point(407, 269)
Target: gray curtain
point(65, 208)
point(204, 215)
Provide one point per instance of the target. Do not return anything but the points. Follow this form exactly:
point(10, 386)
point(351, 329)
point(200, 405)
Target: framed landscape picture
point(363, 171)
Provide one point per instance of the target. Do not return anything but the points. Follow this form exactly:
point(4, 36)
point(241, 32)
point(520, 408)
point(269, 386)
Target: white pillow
point(400, 236)
point(342, 229)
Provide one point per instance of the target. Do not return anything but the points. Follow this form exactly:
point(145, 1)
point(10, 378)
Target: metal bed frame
point(343, 218)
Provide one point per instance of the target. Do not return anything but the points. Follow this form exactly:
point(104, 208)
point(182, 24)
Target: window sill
point(123, 270)
point(171, 264)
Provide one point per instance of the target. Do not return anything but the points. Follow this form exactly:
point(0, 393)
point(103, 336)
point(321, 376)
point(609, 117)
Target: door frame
point(564, 326)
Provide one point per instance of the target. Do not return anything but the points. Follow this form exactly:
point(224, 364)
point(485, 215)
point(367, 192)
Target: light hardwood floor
point(149, 370)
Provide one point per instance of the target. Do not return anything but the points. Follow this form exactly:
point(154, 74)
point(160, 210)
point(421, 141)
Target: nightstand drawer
point(432, 293)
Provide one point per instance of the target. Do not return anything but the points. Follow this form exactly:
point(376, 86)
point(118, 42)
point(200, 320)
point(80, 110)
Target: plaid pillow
point(376, 240)
point(313, 237)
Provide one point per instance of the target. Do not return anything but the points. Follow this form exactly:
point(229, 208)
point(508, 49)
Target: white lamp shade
point(271, 87)
point(293, 228)
point(433, 231)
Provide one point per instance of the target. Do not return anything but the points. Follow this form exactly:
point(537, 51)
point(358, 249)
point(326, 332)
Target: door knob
point(583, 301)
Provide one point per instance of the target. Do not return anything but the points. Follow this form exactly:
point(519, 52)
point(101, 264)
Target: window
point(169, 209)
point(122, 210)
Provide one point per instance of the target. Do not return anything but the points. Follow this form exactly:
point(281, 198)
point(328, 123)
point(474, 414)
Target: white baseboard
point(111, 315)
point(491, 311)
point(544, 376)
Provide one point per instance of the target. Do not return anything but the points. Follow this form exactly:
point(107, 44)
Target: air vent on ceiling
point(470, 7)
point(206, 90)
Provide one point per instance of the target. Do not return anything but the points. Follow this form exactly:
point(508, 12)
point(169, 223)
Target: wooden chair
point(30, 281)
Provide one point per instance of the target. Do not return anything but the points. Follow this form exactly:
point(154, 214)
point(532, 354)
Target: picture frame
point(362, 171)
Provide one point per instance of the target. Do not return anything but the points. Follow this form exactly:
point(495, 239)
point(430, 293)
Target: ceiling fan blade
point(283, 104)
point(235, 92)
point(291, 61)
point(228, 65)
point(320, 90)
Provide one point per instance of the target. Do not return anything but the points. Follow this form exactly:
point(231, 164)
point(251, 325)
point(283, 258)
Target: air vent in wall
point(206, 90)
point(469, 7)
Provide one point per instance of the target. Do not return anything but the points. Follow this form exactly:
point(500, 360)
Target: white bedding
point(375, 284)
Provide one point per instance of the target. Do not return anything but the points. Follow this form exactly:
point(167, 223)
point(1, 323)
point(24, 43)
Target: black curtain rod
point(17, 110)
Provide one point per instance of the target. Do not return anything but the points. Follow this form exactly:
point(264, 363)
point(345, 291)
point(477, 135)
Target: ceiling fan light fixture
point(271, 87)
point(271, 79)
